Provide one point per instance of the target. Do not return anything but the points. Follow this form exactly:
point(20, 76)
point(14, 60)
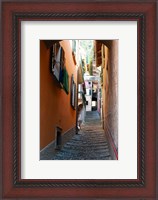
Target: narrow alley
point(78, 100)
point(89, 144)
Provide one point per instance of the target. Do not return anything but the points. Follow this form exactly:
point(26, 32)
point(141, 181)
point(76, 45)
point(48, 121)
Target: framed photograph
point(133, 26)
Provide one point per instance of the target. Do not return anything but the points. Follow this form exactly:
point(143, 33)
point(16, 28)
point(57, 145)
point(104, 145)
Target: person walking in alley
point(79, 118)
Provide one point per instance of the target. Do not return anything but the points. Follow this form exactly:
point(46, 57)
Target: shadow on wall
point(107, 57)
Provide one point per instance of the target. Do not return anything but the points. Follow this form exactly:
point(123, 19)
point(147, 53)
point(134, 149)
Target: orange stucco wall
point(55, 108)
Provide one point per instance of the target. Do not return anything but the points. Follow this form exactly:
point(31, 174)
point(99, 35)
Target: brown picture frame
point(145, 186)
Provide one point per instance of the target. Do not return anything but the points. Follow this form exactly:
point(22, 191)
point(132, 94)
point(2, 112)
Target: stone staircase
point(89, 144)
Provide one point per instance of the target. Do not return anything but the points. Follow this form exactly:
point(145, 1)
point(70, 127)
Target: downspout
point(77, 89)
point(77, 104)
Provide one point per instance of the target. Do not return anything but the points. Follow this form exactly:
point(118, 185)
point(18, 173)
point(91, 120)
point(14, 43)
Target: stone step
point(89, 144)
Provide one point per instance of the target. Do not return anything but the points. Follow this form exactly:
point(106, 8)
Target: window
point(58, 60)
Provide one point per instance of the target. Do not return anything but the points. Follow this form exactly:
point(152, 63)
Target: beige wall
point(55, 108)
point(110, 90)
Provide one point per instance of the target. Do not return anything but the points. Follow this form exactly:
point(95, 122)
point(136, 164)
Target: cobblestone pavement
point(89, 144)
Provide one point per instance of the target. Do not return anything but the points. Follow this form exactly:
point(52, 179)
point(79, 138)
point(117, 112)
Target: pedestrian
point(79, 118)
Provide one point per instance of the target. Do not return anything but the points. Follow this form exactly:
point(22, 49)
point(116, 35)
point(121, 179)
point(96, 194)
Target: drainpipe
point(77, 104)
point(77, 90)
